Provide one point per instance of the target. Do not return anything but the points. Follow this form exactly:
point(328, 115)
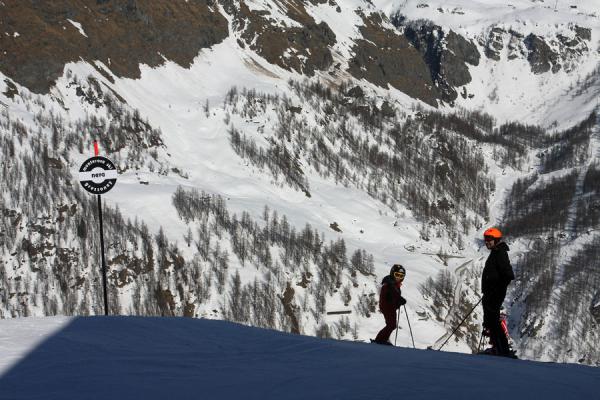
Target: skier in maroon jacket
point(390, 300)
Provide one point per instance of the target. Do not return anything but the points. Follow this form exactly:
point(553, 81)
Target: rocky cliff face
point(386, 57)
point(41, 37)
point(551, 53)
point(303, 47)
point(447, 55)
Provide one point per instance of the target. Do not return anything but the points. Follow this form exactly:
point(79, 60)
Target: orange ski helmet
point(492, 233)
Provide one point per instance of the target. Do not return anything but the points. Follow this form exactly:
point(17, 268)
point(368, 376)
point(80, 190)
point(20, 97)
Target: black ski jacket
point(497, 272)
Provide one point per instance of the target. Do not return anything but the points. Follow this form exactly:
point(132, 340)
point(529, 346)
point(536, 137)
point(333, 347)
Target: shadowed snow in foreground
point(180, 358)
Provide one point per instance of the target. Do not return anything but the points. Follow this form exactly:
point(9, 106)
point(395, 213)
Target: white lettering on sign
point(98, 175)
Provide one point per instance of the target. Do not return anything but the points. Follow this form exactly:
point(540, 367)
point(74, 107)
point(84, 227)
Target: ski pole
point(411, 335)
point(461, 322)
point(480, 341)
point(397, 325)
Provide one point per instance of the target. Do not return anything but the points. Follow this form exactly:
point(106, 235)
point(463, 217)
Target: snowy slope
point(157, 358)
point(471, 16)
point(174, 99)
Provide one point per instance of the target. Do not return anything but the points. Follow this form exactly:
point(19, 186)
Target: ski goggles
point(399, 275)
point(489, 238)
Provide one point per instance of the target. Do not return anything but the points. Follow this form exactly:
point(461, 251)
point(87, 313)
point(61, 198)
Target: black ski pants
point(390, 325)
point(491, 320)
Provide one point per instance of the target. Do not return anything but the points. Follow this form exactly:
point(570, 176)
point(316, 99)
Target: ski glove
point(402, 301)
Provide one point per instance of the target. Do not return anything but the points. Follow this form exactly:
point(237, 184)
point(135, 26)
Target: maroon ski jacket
point(390, 297)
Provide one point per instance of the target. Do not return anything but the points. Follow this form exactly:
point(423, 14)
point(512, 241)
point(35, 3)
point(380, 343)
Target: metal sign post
point(98, 175)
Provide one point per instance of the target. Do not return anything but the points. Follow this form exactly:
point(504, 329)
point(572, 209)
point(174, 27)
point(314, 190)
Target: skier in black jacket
point(390, 299)
point(495, 278)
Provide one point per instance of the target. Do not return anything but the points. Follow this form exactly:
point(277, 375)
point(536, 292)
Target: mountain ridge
point(173, 126)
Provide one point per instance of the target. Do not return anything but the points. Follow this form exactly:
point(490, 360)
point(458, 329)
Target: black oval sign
point(98, 175)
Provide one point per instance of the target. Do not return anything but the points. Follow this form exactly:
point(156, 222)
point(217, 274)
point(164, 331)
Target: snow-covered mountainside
point(275, 158)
